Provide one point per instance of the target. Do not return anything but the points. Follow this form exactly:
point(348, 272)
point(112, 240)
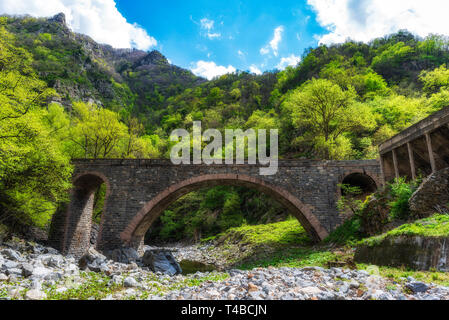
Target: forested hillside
point(63, 96)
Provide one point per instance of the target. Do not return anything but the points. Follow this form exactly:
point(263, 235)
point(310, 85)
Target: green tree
point(325, 112)
point(34, 170)
point(96, 132)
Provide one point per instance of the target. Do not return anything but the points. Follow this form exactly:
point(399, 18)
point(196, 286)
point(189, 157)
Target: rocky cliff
point(81, 69)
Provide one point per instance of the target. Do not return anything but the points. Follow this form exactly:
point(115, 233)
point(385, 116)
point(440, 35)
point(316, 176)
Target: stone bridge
point(138, 191)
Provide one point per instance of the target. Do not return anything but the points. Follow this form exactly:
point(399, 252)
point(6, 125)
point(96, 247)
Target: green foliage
point(34, 170)
point(435, 80)
point(399, 275)
point(95, 286)
point(435, 226)
point(292, 258)
point(349, 199)
point(205, 213)
point(401, 192)
point(348, 233)
point(281, 233)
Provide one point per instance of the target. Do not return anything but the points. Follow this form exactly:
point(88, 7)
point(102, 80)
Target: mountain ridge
point(93, 63)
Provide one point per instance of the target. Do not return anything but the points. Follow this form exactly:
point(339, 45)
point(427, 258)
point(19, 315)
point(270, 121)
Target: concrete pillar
point(395, 163)
point(382, 170)
point(430, 150)
point(412, 160)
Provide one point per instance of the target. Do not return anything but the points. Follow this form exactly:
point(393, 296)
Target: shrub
point(401, 192)
point(348, 233)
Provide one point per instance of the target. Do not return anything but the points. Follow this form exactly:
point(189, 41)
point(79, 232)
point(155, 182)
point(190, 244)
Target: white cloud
point(99, 19)
point(274, 43)
point(264, 51)
point(255, 70)
point(211, 35)
point(210, 70)
point(207, 24)
point(364, 20)
point(291, 60)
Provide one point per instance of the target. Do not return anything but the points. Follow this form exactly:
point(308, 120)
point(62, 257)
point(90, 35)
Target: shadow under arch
point(78, 220)
point(134, 233)
point(362, 180)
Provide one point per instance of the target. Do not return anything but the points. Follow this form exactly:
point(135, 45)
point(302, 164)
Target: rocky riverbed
point(33, 272)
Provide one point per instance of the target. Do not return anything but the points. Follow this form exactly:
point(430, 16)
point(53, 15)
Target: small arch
point(134, 233)
point(361, 180)
point(78, 224)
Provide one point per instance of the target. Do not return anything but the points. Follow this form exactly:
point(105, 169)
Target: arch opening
point(354, 189)
point(134, 233)
point(364, 186)
point(362, 181)
point(207, 212)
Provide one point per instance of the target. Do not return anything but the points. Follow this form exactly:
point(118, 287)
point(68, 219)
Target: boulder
point(12, 254)
point(417, 287)
point(27, 269)
point(161, 261)
point(432, 196)
point(35, 294)
point(92, 259)
point(40, 272)
point(9, 265)
point(124, 255)
point(130, 282)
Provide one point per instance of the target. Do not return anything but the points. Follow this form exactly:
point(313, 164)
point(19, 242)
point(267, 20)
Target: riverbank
point(32, 272)
point(252, 262)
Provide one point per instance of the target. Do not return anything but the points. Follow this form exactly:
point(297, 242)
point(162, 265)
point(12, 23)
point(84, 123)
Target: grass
point(294, 258)
point(260, 244)
point(95, 286)
point(292, 248)
point(288, 232)
point(280, 244)
point(400, 274)
point(435, 226)
point(346, 234)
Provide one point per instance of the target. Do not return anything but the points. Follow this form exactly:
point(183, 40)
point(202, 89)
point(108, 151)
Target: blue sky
point(228, 33)
point(215, 37)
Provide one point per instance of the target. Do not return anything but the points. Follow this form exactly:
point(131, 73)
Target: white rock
point(311, 291)
point(35, 294)
point(40, 272)
point(130, 282)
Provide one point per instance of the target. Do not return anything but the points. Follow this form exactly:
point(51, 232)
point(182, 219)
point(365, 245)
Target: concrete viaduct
point(138, 191)
point(420, 150)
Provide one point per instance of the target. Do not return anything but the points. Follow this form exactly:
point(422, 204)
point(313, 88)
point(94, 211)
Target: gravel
point(27, 270)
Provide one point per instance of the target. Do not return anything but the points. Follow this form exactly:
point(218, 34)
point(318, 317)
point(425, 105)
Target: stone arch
point(78, 222)
point(367, 183)
point(133, 234)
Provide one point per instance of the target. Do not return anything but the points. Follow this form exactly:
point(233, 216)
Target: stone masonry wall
point(310, 188)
